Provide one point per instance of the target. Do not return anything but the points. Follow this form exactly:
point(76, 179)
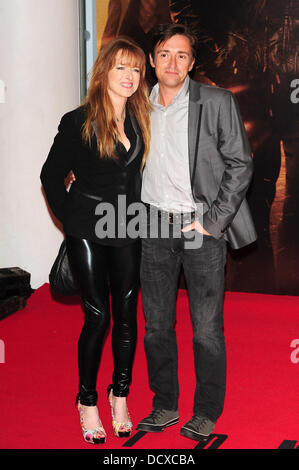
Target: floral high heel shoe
point(92, 436)
point(119, 429)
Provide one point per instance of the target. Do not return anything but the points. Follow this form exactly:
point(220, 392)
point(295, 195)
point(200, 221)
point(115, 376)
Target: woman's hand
point(69, 179)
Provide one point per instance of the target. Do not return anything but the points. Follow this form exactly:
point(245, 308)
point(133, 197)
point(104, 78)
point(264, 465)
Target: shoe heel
point(116, 425)
point(89, 434)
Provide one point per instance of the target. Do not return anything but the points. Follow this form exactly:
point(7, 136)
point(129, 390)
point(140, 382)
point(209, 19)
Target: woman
point(105, 142)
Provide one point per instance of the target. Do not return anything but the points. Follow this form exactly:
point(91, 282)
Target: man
point(199, 158)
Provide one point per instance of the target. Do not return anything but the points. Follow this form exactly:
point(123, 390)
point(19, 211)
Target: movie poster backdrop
point(250, 47)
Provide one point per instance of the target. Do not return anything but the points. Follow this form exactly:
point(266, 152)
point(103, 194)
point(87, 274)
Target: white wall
point(39, 63)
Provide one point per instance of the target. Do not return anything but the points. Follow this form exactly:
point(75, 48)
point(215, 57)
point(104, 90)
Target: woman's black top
point(98, 180)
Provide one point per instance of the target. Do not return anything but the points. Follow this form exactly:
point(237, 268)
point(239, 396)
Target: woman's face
point(123, 78)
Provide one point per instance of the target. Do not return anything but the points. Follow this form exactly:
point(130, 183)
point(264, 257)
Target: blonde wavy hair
point(98, 104)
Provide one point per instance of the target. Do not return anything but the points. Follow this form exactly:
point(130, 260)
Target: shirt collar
point(178, 97)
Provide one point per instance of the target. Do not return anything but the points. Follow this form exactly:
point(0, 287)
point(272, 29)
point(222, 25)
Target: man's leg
point(204, 273)
point(160, 267)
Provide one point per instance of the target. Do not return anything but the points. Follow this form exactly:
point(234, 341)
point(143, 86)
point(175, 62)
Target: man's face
point(172, 61)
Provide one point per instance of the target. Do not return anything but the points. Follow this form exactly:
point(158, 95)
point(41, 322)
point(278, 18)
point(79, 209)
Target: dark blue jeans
point(161, 262)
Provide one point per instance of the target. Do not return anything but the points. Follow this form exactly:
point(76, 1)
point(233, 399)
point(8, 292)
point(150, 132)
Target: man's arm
point(235, 151)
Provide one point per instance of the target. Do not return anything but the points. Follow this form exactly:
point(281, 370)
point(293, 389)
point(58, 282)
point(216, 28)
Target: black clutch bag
point(61, 277)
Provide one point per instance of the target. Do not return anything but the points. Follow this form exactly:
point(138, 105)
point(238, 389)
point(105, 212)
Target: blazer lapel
point(94, 143)
point(138, 140)
point(194, 123)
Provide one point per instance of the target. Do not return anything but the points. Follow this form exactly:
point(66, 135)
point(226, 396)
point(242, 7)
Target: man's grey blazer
point(221, 164)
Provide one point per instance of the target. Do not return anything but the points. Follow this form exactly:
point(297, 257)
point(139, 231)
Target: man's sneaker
point(158, 420)
point(198, 428)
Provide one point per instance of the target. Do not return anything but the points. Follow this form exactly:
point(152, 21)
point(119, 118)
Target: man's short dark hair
point(163, 32)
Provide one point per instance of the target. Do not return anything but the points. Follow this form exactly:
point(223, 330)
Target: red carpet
point(39, 377)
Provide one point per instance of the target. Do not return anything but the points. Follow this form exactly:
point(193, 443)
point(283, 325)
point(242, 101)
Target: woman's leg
point(124, 269)
point(88, 261)
point(124, 277)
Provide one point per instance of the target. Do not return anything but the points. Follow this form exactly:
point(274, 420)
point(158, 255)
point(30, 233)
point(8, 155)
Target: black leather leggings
point(99, 270)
